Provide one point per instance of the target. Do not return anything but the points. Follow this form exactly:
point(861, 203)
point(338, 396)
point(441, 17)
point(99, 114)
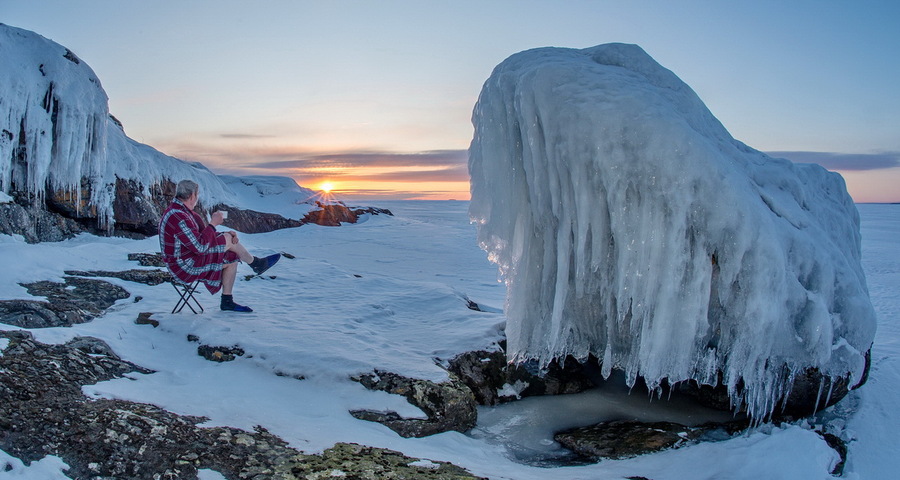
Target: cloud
point(243, 136)
point(458, 173)
point(844, 161)
point(409, 175)
point(432, 159)
point(359, 194)
point(433, 166)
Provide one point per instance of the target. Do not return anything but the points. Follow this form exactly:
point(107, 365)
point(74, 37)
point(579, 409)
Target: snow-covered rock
point(55, 130)
point(60, 146)
point(272, 194)
point(629, 224)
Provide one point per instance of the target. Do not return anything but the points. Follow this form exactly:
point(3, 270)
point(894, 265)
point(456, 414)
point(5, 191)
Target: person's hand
point(216, 219)
point(234, 238)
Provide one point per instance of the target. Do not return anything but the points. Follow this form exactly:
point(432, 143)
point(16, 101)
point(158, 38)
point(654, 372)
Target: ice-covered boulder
point(628, 224)
point(62, 152)
point(57, 136)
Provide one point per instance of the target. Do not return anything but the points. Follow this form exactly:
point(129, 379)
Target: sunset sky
point(376, 97)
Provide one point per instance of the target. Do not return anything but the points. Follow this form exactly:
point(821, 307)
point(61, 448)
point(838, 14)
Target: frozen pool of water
point(526, 427)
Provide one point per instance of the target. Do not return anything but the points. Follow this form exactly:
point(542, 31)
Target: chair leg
point(186, 296)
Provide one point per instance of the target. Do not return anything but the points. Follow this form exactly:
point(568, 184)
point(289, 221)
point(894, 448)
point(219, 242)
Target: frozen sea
point(390, 292)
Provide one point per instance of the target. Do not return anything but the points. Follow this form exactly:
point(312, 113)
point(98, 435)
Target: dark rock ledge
point(488, 372)
point(333, 215)
point(620, 439)
point(44, 412)
point(448, 405)
point(147, 277)
point(78, 300)
point(625, 438)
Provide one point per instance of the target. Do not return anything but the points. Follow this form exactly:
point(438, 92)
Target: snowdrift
point(56, 133)
point(629, 225)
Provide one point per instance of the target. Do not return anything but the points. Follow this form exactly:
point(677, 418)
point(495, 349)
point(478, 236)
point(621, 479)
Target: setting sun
point(326, 187)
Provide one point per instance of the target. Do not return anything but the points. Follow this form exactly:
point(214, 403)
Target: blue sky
point(384, 90)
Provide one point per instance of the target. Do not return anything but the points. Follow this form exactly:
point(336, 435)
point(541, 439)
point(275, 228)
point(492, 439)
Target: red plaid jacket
point(191, 248)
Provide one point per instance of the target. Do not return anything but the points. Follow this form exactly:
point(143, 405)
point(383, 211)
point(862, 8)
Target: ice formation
point(55, 130)
point(627, 223)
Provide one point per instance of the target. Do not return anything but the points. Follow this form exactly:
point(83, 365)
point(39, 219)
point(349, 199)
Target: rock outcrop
point(136, 214)
point(810, 392)
point(493, 380)
point(78, 300)
point(250, 221)
point(448, 405)
point(624, 439)
point(36, 224)
point(621, 439)
point(333, 214)
point(147, 277)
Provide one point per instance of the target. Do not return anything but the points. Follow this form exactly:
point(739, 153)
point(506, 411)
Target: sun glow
point(326, 187)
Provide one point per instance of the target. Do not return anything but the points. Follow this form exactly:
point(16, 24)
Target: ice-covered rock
point(56, 133)
point(627, 223)
point(66, 158)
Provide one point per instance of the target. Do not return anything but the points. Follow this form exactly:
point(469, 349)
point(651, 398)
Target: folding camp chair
point(186, 296)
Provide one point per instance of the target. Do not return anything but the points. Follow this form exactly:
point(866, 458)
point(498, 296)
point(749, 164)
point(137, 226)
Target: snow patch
point(206, 474)
point(425, 464)
point(515, 390)
point(50, 467)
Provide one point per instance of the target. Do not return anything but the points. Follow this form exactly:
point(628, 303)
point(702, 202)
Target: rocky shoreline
point(46, 413)
point(59, 215)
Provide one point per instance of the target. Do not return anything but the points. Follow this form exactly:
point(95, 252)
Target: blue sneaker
point(228, 304)
point(260, 265)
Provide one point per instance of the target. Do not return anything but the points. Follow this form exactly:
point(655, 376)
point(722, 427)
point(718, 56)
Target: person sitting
point(193, 250)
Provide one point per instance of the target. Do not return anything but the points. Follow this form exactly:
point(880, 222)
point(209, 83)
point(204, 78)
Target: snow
point(205, 474)
point(270, 194)
point(874, 408)
point(47, 468)
point(424, 464)
point(316, 318)
point(629, 225)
